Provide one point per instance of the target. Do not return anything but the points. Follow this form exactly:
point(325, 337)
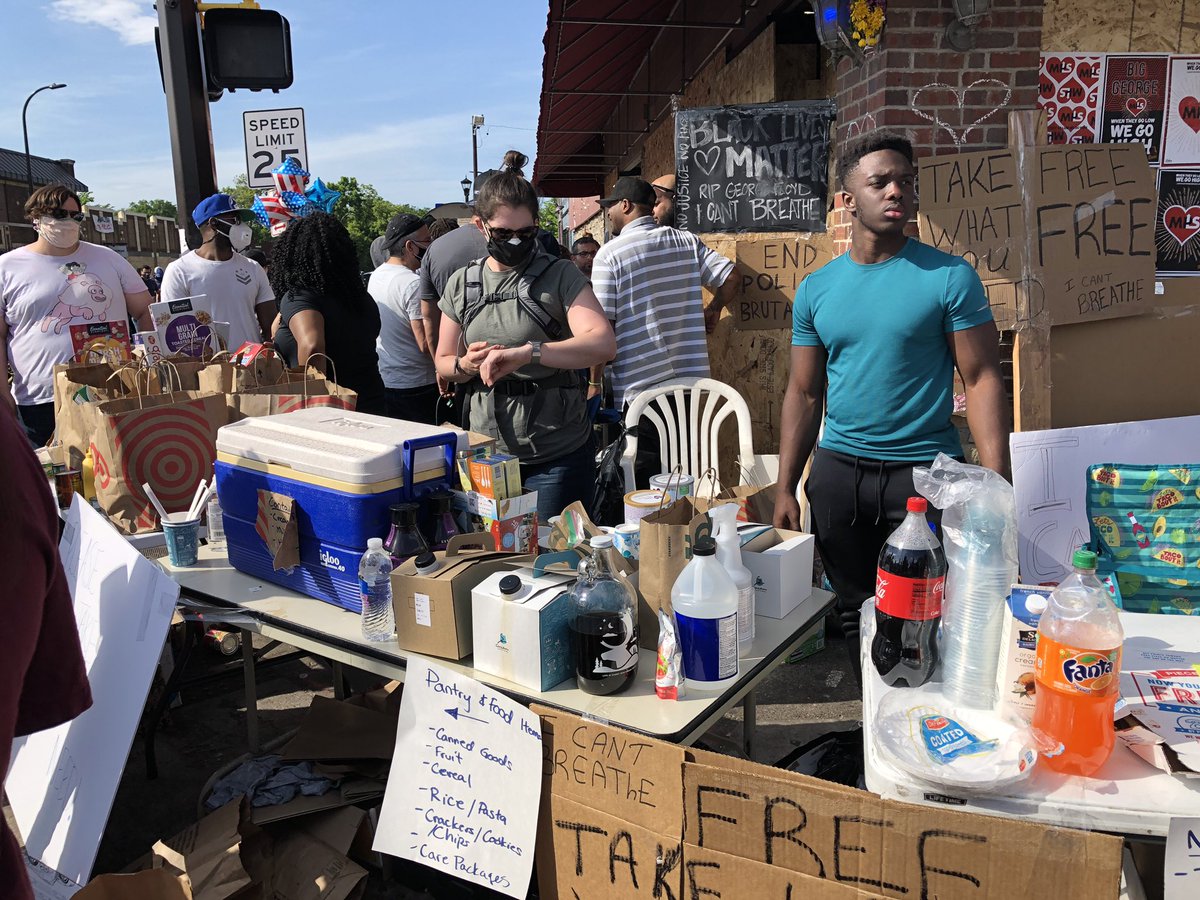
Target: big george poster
point(1069, 92)
point(1181, 140)
point(1135, 100)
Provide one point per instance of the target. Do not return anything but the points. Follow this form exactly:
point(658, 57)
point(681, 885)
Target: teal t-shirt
point(890, 372)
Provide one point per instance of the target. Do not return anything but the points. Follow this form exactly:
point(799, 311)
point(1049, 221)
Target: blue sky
point(388, 88)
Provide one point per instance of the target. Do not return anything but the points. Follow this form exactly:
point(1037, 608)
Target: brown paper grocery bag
point(667, 538)
point(755, 504)
point(78, 387)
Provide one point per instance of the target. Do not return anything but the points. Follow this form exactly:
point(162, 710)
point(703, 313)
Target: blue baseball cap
point(218, 205)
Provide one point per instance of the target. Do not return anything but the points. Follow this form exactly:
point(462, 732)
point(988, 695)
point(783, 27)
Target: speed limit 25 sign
point(272, 135)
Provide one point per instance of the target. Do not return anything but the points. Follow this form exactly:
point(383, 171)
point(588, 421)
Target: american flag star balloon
point(290, 176)
point(272, 212)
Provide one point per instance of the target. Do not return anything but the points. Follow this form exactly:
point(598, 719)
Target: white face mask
point(60, 233)
point(240, 235)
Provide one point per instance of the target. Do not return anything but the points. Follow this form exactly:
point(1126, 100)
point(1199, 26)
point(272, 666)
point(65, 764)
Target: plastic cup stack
point(972, 625)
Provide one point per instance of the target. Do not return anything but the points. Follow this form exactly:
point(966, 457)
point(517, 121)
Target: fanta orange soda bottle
point(1078, 667)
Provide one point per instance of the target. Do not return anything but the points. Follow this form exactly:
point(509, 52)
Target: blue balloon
point(321, 196)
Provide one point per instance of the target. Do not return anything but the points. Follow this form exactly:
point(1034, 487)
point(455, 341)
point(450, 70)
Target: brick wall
point(941, 98)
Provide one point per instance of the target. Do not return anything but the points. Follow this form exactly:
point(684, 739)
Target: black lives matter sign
point(761, 167)
point(1135, 99)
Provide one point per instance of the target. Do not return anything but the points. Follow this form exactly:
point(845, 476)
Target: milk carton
point(1018, 651)
point(184, 326)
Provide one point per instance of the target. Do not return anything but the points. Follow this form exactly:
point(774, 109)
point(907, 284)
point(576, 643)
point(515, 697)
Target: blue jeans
point(560, 482)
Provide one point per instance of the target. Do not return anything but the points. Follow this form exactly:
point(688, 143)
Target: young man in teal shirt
point(877, 334)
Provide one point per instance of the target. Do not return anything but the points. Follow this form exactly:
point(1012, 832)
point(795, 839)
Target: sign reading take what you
point(759, 167)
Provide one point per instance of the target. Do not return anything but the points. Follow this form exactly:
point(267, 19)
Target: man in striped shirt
point(648, 280)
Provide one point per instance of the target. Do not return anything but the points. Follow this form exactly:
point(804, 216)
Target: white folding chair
point(688, 434)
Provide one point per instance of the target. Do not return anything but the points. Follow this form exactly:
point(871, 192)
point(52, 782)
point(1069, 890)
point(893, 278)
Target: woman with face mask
point(236, 288)
point(51, 291)
point(517, 327)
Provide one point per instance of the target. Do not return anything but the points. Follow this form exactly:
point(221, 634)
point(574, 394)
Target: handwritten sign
point(1181, 866)
point(1068, 233)
point(770, 272)
point(468, 802)
point(1135, 100)
point(759, 167)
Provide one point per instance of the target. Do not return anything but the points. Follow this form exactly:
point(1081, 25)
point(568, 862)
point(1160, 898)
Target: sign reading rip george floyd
point(769, 272)
point(1067, 233)
point(760, 167)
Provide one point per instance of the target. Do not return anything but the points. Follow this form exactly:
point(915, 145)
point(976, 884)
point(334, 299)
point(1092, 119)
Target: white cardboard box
point(526, 639)
point(782, 564)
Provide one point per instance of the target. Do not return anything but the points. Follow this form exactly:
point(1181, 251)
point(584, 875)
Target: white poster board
point(1050, 480)
point(1181, 866)
point(62, 782)
point(468, 805)
point(272, 135)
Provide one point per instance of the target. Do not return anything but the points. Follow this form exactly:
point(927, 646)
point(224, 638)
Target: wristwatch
point(536, 357)
point(458, 369)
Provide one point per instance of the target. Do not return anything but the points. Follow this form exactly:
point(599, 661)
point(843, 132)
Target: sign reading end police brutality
point(272, 135)
point(759, 167)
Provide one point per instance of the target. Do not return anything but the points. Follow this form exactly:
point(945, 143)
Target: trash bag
point(835, 756)
point(608, 502)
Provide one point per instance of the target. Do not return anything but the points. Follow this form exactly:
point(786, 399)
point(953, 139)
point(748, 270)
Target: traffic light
point(247, 48)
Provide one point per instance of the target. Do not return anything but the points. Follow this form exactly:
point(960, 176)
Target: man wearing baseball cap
point(405, 355)
point(234, 287)
point(664, 199)
point(648, 279)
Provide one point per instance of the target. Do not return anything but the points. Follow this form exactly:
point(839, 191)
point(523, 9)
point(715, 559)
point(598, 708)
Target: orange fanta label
point(1064, 668)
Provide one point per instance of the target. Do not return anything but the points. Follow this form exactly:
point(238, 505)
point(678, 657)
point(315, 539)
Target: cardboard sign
point(1069, 92)
point(1178, 222)
point(1181, 139)
point(760, 167)
point(770, 272)
point(276, 525)
point(1067, 233)
point(1181, 865)
point(469, 803)
point(1135, 100)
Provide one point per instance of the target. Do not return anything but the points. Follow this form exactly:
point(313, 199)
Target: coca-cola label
point(917, 599)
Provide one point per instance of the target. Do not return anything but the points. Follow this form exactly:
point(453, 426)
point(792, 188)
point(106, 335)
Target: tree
point(87, 198)
point(365, 214)
point(153, 208)
point(548, 216)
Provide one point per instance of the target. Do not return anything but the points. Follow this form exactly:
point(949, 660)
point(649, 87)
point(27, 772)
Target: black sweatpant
point(856, 503)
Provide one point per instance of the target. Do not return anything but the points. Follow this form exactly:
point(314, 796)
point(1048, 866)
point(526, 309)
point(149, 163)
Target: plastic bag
point(979, 535)
point(608, 502)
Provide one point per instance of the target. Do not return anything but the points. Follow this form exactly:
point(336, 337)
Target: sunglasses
point(507, 234)
point(61, 214)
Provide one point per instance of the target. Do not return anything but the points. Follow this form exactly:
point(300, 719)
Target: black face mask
point(510, 254)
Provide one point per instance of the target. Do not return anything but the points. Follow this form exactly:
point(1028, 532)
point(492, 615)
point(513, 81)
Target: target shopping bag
point(167, 441)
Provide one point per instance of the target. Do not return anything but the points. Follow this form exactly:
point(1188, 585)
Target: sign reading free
point(272, 135)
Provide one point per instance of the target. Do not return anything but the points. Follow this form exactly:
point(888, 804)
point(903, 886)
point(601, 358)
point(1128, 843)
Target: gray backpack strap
point(537, 267)
point(474, 299)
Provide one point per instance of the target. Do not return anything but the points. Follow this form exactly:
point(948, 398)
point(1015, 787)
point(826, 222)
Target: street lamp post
point(24, 127)
point(465, 184)
point(476, 122)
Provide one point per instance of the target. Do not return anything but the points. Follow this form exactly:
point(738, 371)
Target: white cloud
point(128, 18)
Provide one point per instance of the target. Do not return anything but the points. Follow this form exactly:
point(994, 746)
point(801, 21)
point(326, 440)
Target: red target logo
point(100, 470)
point(290, 403)
point(170, 449)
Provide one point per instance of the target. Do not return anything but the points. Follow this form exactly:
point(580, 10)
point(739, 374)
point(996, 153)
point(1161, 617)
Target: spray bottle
point(729, 553)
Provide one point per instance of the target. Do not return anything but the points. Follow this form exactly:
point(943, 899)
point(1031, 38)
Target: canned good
point(675, 486)
point(227, 643)
point(67, 483)
point(639, 504)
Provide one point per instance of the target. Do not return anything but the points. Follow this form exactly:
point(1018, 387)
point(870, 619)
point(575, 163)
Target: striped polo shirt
point(648, 281)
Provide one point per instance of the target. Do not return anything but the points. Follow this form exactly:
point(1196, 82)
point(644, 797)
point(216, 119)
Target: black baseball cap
point(399, 227)
point(631, 188)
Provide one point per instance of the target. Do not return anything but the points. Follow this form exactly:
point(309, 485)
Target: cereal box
point(183, 326)
point(93, 341)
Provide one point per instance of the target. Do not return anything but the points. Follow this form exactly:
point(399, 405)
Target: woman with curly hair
point(324, 307)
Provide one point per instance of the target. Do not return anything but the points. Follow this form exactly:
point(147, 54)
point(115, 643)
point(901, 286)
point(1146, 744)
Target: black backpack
point(476, 300)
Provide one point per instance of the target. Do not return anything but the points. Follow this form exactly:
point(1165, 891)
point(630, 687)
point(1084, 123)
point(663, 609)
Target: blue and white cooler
point(342, 470)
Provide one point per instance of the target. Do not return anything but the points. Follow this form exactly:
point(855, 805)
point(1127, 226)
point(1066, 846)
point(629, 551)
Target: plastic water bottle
point(729, 552)
point(216, 525)
point(375, 586)
point(705, 601)
point(1078, 669)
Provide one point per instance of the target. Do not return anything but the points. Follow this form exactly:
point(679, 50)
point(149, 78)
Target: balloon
point(322, 197)
point(290, 176)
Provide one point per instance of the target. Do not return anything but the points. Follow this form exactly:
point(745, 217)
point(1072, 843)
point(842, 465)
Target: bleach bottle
point(729, 553)
point(705, 602)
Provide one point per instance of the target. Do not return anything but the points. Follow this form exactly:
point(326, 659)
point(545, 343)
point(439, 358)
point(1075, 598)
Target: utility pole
point(187, 109)
point(476, 121)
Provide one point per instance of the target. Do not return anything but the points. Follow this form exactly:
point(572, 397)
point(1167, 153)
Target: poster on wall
point(1181, 141)
point(1069, 92)
point(1177, 228)
point(1135, 100)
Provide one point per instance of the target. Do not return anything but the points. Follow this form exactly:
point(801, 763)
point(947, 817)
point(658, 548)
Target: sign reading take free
point(272, 135)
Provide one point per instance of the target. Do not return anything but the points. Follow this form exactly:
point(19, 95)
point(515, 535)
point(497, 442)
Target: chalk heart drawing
point(1184, 224)
point(708, 159)
point(1189, 111)
point(983, 85)
point(1136, 106)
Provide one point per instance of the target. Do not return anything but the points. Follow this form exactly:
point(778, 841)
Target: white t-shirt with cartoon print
point(42, 296)
point(234, 288)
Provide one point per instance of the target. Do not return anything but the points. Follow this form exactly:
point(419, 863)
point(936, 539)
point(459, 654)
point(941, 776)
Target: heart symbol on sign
point(1189, 111)
point(1136, 105)
point(960, 94)
point(708, 159)
point(1184, 224)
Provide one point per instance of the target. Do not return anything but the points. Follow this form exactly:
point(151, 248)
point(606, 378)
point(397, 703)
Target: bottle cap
point(1084, 559)
point(918, 504)
point(704, 547)
point(601, 541)
point(510, 585)
point(374, 543)
point(426, 562)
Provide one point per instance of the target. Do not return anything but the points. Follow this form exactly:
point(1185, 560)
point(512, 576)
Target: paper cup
point(627, 539)
point(182, 540)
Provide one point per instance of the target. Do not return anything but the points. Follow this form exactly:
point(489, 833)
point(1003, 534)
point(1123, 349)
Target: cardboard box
point(433, 612)
point(524, 639)
point(781, 563)
point(1018, 652)
point(511, 521)
point(497, 476)
point(184, 326)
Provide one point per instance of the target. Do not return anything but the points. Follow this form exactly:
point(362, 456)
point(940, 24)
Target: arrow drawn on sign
point(456, 714)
